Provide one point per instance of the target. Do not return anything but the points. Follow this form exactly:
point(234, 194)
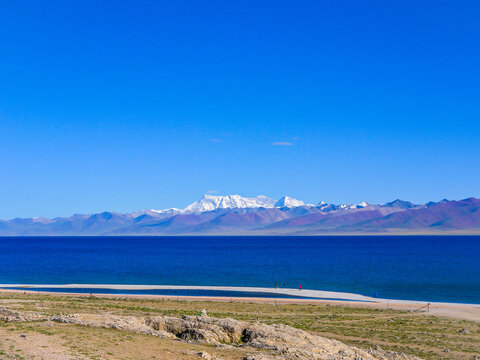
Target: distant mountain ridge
point(261, 215)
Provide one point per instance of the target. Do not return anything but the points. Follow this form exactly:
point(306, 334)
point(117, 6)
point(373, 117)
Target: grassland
point(424, 335)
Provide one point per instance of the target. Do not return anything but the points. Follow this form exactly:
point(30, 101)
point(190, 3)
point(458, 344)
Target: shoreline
point(290, 293)
point(304, 293)
point(312, 297)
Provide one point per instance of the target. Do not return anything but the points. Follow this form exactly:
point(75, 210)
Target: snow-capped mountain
point(324, 207)
point(214, 202)
point(289, 202)
point(171, 211)
point(233, 214)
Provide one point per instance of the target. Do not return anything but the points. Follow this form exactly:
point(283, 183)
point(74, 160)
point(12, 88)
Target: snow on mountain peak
point(171, 211)
point(213, 202)
point(325, 207)
point(289, 202)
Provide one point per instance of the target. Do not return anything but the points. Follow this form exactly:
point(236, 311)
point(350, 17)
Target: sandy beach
point(305, 296)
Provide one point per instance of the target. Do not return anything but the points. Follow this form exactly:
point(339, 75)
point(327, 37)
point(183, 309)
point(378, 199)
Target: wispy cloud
point(215, 140)
point(282, 143)
point(212, 192)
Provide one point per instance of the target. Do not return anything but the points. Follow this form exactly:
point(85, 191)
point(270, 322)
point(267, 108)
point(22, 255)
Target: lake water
point(431, 268)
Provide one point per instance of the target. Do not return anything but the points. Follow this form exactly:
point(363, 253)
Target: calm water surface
point(433, 268)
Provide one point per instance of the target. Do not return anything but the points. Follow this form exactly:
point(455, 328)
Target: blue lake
point(432, 268)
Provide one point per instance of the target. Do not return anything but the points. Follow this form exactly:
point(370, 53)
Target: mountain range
point(261, 215)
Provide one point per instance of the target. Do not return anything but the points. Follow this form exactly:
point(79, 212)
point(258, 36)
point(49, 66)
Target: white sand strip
point(317, 294)
point(279, 291)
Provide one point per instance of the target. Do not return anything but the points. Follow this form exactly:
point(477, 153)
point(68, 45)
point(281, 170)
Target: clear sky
point(125, 105)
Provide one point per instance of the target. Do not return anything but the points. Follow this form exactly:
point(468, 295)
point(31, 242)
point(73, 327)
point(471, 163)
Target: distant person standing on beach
point(276, 285)
point(300, 287)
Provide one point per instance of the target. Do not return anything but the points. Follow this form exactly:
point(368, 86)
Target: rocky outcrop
point(200, 328)
point(280, 341)
point(127, 323)
point(13, 316)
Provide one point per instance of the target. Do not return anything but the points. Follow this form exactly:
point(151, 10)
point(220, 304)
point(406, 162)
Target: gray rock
point(284, 342)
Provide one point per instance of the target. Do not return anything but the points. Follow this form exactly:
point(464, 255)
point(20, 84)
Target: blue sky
point(128, 105)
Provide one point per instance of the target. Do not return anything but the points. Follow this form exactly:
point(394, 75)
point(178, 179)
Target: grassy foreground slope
point(427, 336)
